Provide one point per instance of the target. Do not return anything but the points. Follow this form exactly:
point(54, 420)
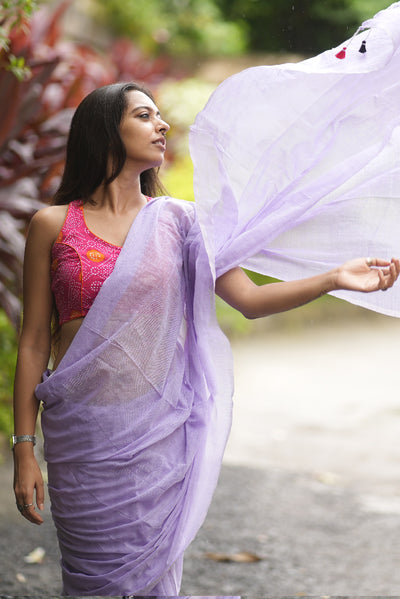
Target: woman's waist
point(66, 335)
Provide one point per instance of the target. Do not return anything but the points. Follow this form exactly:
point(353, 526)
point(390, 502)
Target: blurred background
point(313, 385)
point(53, 53)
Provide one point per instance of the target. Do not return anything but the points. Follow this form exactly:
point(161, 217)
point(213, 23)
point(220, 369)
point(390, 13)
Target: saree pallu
point(137, 414)
point(297, 166)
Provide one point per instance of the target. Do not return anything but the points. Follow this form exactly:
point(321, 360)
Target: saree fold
point(297, 166)
point(135, 418)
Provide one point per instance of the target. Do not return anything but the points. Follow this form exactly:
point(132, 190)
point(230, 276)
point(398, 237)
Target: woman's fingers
point(387, 272)
point(27, 510)
point(26, 507)
point(28, 483)
point(388, 276)
point(396, 263)
point(383, 282)
point(31, 514)
point(378, 262)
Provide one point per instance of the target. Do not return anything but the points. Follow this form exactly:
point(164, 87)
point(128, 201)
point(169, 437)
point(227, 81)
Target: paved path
point(322, 400)
point(312, 470)
point(309, 483)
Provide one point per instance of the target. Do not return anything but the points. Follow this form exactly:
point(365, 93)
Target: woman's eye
point(144, 115)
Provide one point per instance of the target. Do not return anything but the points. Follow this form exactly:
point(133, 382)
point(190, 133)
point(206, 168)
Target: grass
point(8, 357)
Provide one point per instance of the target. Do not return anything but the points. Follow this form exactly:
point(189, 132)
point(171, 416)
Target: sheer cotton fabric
point(137, 414)
point(297, 166)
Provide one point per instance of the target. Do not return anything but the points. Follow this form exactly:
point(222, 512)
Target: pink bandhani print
point(81, 262)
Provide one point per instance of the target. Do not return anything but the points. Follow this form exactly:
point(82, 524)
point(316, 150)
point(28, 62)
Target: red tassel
point(341, 54)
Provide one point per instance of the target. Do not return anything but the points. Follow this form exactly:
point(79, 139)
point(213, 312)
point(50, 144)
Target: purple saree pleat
point(134, 426)
point(297, 166)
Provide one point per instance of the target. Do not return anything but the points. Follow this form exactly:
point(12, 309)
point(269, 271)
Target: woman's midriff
point(67, 334)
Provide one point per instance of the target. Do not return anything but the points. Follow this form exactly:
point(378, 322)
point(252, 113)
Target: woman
point(137, 408)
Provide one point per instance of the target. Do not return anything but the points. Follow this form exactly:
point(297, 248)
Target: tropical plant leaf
point(35, 119)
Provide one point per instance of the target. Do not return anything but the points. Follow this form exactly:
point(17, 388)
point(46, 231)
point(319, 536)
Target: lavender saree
point(136, 416)
point(296, 169)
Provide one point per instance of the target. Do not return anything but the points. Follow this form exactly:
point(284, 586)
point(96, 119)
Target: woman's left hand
point(367, 274)
point(253, 301)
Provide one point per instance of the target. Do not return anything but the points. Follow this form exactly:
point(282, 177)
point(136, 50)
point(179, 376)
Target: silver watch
point(21, 438)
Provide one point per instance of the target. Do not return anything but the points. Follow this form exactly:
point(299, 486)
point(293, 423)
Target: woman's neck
point(122, 195)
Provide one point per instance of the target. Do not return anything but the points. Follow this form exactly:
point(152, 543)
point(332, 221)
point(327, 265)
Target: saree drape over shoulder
point(136, 416)
point(296, 169)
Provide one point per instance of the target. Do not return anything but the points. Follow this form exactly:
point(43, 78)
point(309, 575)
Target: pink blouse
point(81, 262)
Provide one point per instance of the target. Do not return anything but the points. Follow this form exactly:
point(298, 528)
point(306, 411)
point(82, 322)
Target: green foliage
point(368, 8)
point(304, 26)
point(13, 16)
point(18, 67)
point(8, 356)
point(177, 175)
point(176, 27)
point(178, 179)
point(179, 102)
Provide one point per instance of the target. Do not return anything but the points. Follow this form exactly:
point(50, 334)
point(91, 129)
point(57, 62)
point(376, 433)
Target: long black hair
point(93, 139)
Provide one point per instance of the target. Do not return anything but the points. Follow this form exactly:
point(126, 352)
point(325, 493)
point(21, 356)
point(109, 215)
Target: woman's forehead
point(138, 98)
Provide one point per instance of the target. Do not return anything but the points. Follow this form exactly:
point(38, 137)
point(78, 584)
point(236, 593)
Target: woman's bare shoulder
point(48, 221)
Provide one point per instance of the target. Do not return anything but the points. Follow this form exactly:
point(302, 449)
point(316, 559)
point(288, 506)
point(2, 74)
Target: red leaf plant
point(34, 122)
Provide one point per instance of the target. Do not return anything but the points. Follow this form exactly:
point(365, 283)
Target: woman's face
point(143, 132)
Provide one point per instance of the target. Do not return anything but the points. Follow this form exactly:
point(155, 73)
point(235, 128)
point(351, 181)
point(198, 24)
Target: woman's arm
point(255, 301)
point(33, 356)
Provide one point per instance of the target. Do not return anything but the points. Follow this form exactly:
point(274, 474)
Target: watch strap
point(21, 439)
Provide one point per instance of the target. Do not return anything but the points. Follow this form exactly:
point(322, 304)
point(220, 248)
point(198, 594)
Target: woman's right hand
point(27, 480)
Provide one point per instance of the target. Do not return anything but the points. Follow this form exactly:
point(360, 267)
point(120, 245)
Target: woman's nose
point(163, 127)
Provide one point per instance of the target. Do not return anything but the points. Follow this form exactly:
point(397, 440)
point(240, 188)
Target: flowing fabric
point(137, 414)
point(296, 169)
point(297, 166)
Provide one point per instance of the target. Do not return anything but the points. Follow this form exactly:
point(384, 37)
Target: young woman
point(137, 404)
